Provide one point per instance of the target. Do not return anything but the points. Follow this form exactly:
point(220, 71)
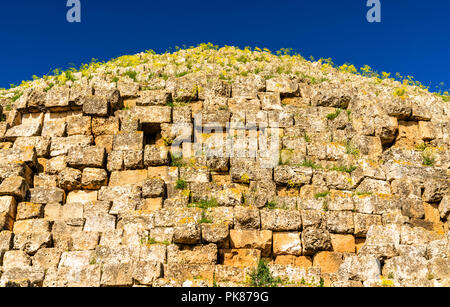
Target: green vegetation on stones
point(262, 277)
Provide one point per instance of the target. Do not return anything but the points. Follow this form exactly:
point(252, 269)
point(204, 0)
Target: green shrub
point(271, 205)
point(261, 276)
point(333, 116)
point(344, 168)
point(131, 74)
point(205, 219)
point(321, 195)
point(176, 160)
point(205, 204)
point(309, 163)
point(428, 159)
point(181, 184)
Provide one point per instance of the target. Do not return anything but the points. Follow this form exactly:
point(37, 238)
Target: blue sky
point(413, 37)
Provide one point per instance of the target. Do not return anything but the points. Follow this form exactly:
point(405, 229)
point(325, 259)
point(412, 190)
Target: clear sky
point(413, 37)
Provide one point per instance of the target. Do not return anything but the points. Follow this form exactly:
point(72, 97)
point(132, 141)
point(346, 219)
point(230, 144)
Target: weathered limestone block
point(3, 128)
point(374, 186)
point(129, 141)
point(242, 257)
point(182, 114)
point(200, 254)
point(215, 233)
point(386, 128)
point(154, 187)
point(33, 225)
point(99, 222)
point(252, 239)
point(94, 178)
point(244, 170)
point(76, 259)
point(282, 85)
point(406, 268)
point(96, 106)
point(340, 221)
point(47, 258)
point(62, 145)
point(435, 190)
point(147, 272)
point(27, 211)
point(261, 192)
point(112, 193)
point(413, 207)
point(280, 220)
point(6, 221)
point(382, 241)
point(190, 272)
point(197, 174)
point(287, 243)
point(32, 241)
point(221, 215)
point(154, 114)
point(22, 277)
point(71, 213)
point(78, 125)
point(133, 159)
point(315, 239)
point(6, 241)
point(444, 207)
point(41, 144)
point(270, 101)
point(92, 156)
point(123, 178)
point(55, 165)
point(27, 129)
point(18, 156)
point(14, 186)
point(217, 118)
point(42, 195)
point(69, 179)
point(246, 218)
point(363, 222)
point(8, 206)
point(225, 273)
point(399, 108)
point(189, 233)
point(57, 98)
point(296, 275)
point(85, 276)
point(105, 125)
point(340, 201)
point(427, 131)
point(248, 87)
point(405, 188)
point(54, 125)
point(82, 196)
point(154, 98)
point(16, 259)
point(82, 240)
point(329, 262)
point(369, 146)
point(343, 243)
point(314, 218)
point(112, 94)
point(360, 268)
point(105, 141)
point(292, 175)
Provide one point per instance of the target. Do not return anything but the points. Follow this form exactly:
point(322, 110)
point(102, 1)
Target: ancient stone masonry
point(118, 178)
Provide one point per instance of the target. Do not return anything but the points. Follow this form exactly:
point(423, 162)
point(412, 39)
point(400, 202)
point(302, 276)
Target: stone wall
point(92, 192)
